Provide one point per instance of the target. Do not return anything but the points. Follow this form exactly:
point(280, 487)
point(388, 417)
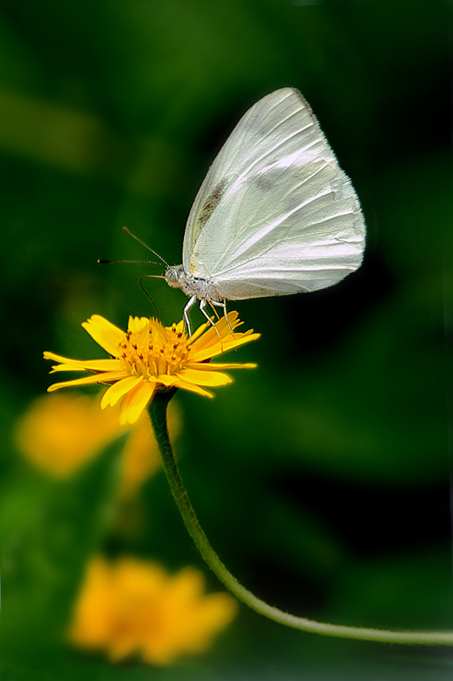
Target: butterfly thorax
point(203, 289)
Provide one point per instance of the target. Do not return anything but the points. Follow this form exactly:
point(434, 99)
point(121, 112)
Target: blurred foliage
point(322, 477)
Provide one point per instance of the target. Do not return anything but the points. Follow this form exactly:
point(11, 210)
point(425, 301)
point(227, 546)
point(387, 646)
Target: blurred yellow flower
point(59, 433)
point(149, 356)
point(135, 607)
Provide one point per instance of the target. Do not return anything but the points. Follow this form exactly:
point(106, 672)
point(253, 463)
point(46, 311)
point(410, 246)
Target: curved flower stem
point(158, 414)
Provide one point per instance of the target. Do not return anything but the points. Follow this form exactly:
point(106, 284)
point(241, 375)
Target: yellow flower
point(59, 433)
point(136, 607)
point(150, 356)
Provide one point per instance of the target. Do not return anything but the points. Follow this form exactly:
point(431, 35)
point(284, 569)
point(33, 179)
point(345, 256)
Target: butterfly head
point(175, 275)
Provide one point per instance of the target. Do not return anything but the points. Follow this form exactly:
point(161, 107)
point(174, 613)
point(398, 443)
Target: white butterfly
point(275, 214)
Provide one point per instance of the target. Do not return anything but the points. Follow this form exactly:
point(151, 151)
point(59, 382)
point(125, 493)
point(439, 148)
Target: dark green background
point(322, 478)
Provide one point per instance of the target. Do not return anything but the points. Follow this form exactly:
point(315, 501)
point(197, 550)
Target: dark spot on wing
point(264, 180)
point(210, 204)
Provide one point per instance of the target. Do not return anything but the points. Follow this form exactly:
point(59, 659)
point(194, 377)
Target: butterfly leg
point(185, 314)
point(203, 304)
point(222, 304)
point(213, 309)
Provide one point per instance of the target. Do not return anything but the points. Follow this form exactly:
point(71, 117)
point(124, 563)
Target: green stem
point(158, 413)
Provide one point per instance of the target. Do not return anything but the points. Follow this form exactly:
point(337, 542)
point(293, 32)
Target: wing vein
point(270, 151)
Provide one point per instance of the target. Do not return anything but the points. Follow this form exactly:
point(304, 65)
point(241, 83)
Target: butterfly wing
point(275, 214)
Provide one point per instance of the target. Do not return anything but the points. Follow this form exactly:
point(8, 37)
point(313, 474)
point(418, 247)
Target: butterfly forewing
point(256, 133)
point(275, 213)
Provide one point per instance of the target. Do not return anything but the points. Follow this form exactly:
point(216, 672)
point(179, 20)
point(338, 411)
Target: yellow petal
point(106, 334)
point(118, 389)
point(197, 333)
point(137, 323)
point(66, 367)
point(166, 379)
point(218, 332)
point(209, 379)
point(63, 360)
point(224, 327)
point(135, 401)
point(180, 383)
point(98, 365)
point(87, 380)
point(220, 348)
point(210, 366)
point(107, 377)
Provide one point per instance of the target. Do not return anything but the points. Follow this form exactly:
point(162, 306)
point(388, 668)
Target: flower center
point(154, 350)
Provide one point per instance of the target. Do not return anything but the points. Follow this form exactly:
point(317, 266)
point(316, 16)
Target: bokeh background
point(322, 477)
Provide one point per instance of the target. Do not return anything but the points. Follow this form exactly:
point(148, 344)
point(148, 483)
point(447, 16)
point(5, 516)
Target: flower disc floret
point(151, 350)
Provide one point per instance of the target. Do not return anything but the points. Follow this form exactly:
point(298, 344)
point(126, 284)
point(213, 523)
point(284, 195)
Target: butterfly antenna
point(151, 276)
point(127, 231)
point(140, 262)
